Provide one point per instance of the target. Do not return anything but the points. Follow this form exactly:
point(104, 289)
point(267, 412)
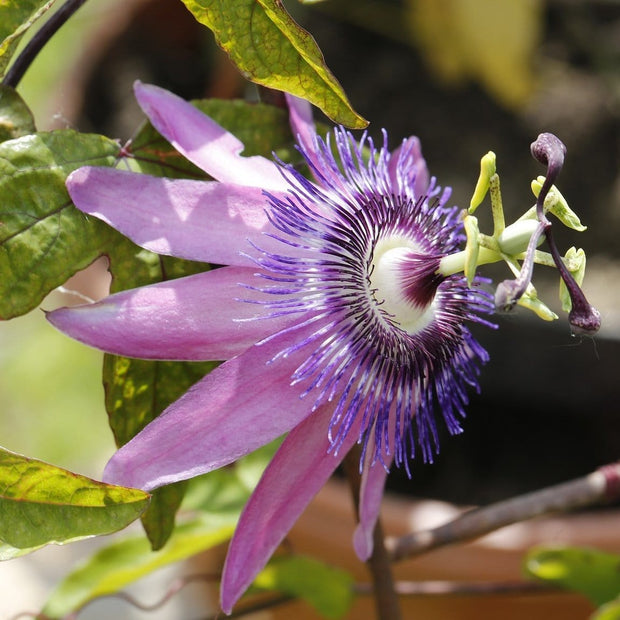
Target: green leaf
point(43, 239)
point(158, 521)
point(120, 564)
point(16, 119)
point(593, 573)
point(262, 128)
point(329, 590)
point(271, 49)
point(609, 611)
point(16, 17)
point(8, 552)
point(41, 504)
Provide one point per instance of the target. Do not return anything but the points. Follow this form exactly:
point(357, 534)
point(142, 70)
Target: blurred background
point(466, 76)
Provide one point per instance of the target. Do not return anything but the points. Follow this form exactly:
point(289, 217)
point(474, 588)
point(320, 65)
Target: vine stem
point(37, 43)
point(441, 589)
point(599, 486)
point(387, 602)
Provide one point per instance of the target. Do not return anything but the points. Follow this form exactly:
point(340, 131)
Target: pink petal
point(243, 404)
point(191, 318)
point(302, 123)
point(371, 494)
point(411, 149)
point(299, 469)
point(201, 140)
point(198, 220)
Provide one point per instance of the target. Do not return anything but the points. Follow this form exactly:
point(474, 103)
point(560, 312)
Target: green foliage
point(218, 496)
point(121, 563)
point(17, 17)
point(609, 611)
point(41, 504)
point(329, 590)
point(15, 117)
point(271, 49)
point(43, 239)
point(159, 519)
point(593, 573)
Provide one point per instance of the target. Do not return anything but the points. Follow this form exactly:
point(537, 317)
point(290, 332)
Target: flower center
point(403, 281)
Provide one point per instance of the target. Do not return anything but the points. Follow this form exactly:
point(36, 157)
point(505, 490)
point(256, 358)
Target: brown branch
point(464, 588)
point(599, 486)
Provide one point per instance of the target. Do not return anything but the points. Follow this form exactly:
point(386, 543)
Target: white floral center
point(388, 288)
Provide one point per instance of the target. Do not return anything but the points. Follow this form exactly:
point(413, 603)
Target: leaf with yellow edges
point(41, 503)
point(271, 49)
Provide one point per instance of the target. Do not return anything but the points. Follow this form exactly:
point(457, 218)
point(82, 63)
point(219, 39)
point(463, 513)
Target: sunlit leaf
point(15, 117)
point(41, 503)
point(271, 49)
point(593, 573)
point(120, 564)
point(8, 552)
point(16, 17)
point(329, 590)
point(489, 41)
point(609, 611)
point(43, 239)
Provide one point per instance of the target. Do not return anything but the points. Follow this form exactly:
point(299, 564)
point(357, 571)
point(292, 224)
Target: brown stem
point(386, 599)
point(466, 588)
point(601, 485)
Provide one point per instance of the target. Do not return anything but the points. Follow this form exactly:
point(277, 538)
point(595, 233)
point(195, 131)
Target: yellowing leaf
point(41, 503)
point(491, 41)
point(271, 49)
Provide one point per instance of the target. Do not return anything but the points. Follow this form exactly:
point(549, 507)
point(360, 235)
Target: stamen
point(389, 347)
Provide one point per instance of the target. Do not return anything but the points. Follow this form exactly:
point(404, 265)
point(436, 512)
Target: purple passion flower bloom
point(331, 314)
